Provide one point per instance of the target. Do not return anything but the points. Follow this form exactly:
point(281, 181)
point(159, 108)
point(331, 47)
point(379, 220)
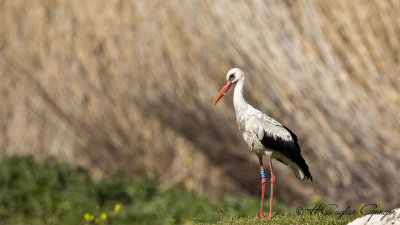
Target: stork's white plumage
point(264, 135)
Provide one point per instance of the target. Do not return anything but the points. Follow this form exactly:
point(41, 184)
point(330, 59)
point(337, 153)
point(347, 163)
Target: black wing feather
point(290, 149)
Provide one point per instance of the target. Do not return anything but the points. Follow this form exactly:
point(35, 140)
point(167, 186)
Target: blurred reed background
point(126, 88)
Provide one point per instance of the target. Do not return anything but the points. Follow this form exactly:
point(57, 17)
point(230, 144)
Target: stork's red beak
point(224, 89)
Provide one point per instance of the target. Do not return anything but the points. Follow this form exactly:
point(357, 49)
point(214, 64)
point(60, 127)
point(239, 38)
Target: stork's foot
point(265, 218)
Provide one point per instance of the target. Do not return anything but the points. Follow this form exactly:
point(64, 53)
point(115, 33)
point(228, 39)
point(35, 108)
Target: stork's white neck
point(238, 100)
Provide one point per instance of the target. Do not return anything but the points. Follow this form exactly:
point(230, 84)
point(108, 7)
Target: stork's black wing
point(288, 148)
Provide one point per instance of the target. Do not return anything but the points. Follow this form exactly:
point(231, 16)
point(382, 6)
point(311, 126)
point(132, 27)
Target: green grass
point(57, 193)
point(287, 219)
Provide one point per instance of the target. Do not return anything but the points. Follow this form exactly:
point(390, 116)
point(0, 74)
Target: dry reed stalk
point(127, 88)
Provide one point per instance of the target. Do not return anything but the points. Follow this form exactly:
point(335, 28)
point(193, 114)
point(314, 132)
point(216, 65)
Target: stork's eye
point(231, 77)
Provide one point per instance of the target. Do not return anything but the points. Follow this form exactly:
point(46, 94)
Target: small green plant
point(36, 193)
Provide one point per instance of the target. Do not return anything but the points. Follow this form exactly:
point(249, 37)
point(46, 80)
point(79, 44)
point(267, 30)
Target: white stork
point(264, 136)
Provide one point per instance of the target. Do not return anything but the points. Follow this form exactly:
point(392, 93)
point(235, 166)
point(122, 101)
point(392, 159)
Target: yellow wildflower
point(86, 216)
point(117, 208)
point(103, 216)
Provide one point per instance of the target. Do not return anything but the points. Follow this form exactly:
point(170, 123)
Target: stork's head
point(232, 77)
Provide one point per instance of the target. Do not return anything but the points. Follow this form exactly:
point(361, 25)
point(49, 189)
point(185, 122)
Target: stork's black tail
point(296, 162)
point(301, 164)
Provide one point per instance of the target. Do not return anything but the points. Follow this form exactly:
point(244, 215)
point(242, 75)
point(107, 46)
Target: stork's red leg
point(263, 182)
point(272, 188)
